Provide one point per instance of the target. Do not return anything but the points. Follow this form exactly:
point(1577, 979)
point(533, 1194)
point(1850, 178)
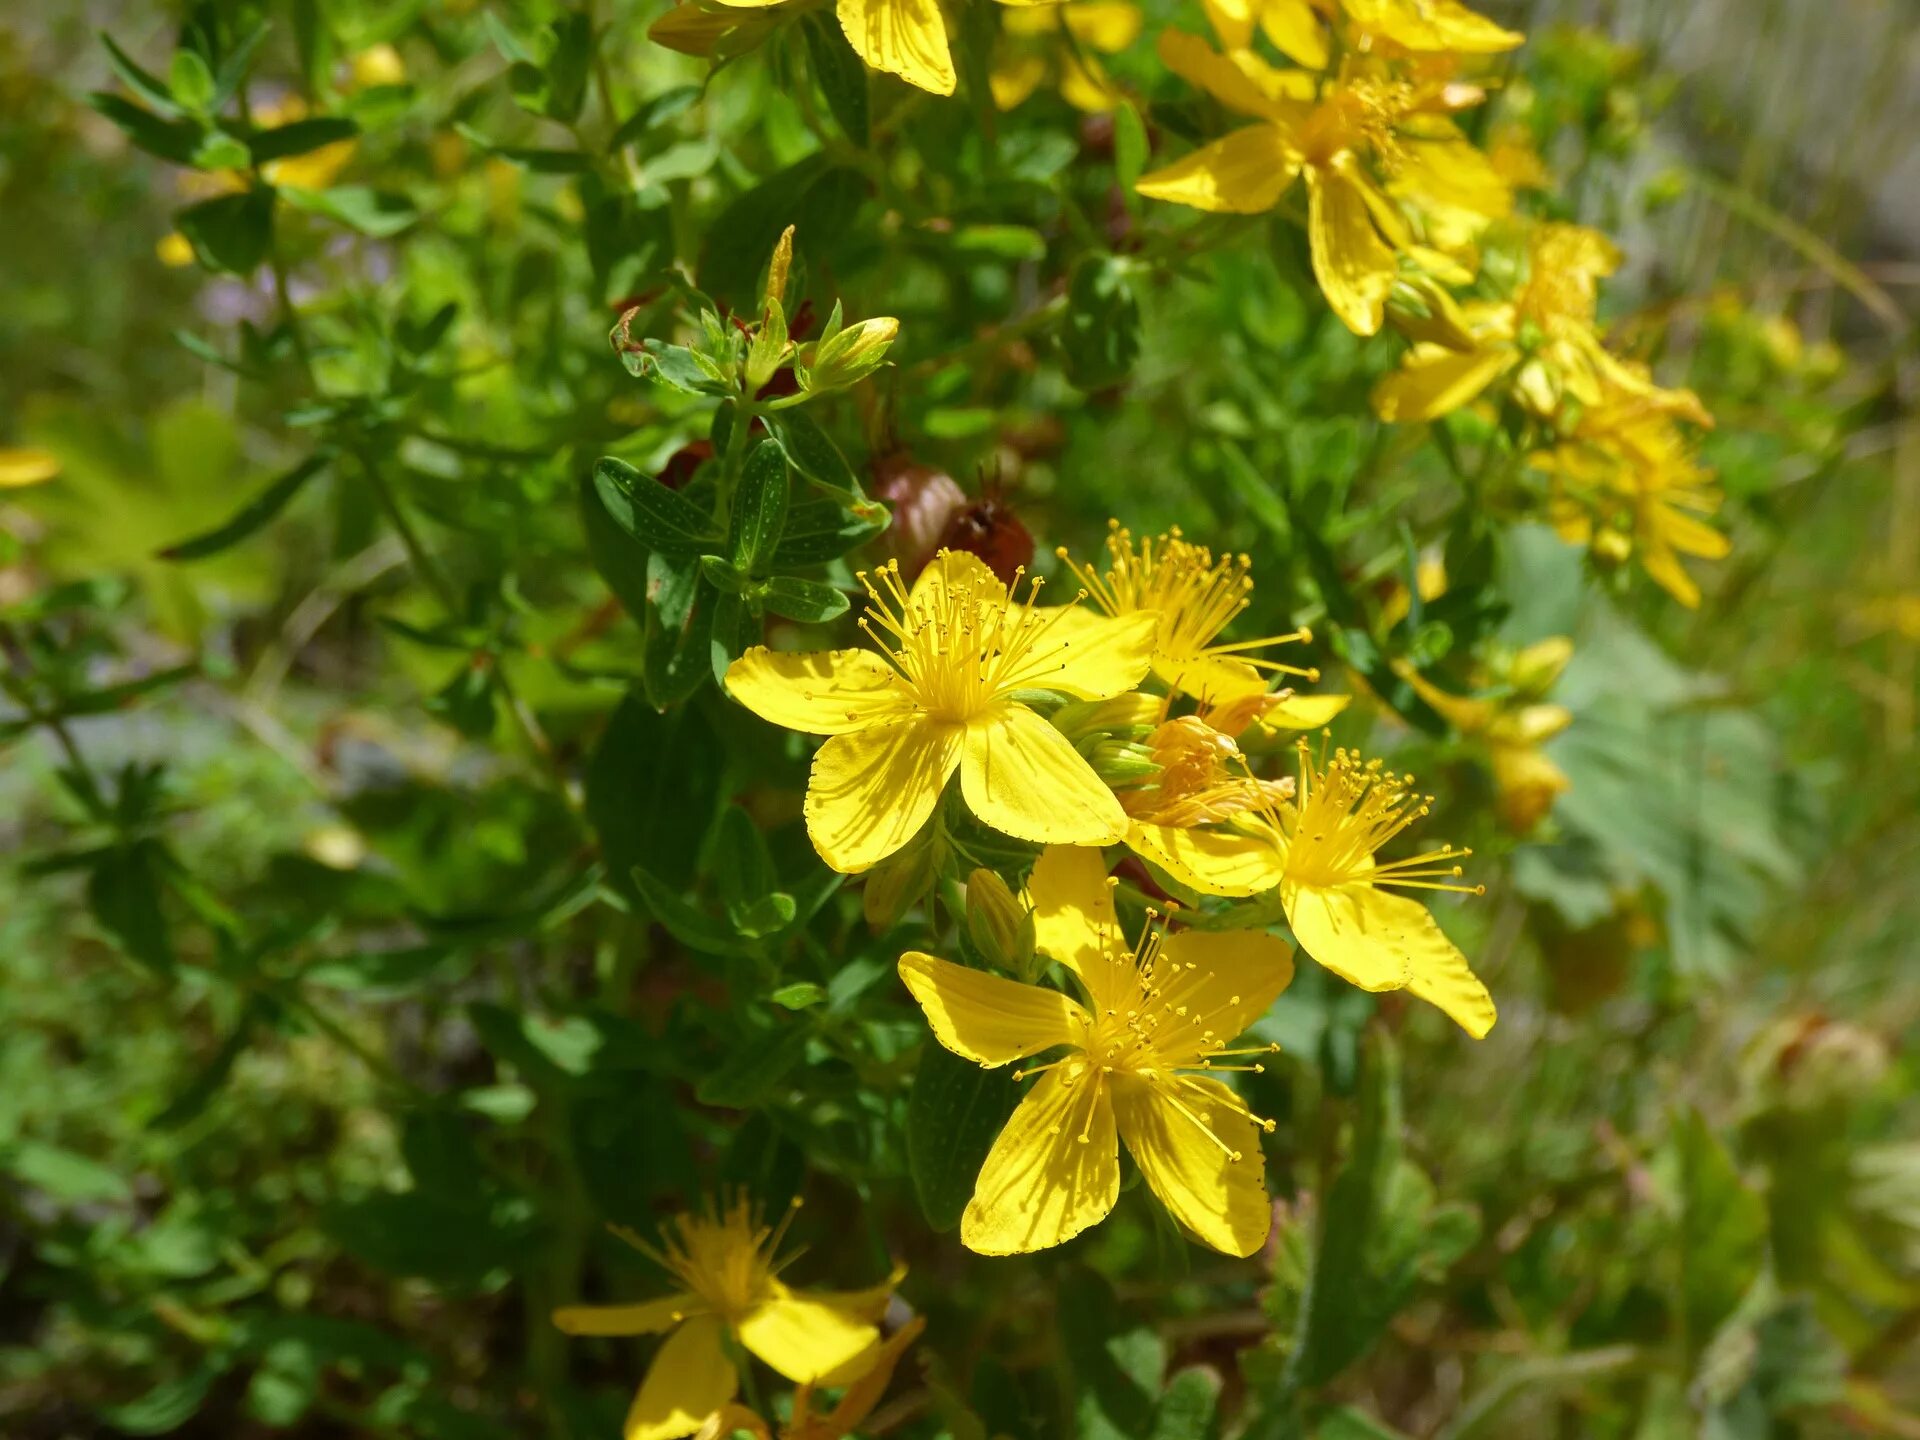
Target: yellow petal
point(729, 1418)
point(1205, 68)
point(1074, 920)
point(1232, 21)
point(690, 1378)
point(805, 1338)
point(1214, 862)
point(1243, 173)
point(1054, 1171)
point(1689, 536)
point(1381, 941)
point(825, 692)
point(955, 570)
point(649, 1317)
point(1023, 777)
point(1089, 656)
point(872, 789)
point(1526, 783)
point(1354, 266)
point(20, 468)
point(1230, 976)
point(1296, 32)
point(861, 1396)
point(1305, 712)
point(1222, 1201)
point(1086, 87)
point(1109, 26)
point(907, 38)
point(1210, 679)
point(1432, 25)
point(986, 1018)
point(1438, 382)
point(1014, 78)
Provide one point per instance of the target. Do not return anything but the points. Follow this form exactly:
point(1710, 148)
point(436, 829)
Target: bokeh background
point(311, 1102)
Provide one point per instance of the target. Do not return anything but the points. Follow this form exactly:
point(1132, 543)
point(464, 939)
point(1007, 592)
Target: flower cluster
point(1124, 718)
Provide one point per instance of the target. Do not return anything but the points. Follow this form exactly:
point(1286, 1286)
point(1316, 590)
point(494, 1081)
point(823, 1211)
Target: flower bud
point(1000, 927)
point(842, 356)
point(923, 500)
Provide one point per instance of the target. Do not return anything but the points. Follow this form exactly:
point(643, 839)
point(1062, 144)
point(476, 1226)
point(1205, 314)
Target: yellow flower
point(1513, 729)
point(1295, 27)
point(856, 1402)
point(942, 696)
point(174, 250)
point(1336, 134)
point(1195, 597)
point(1141, 1057)
point(907, 38)
point(1433, 26)
point(1060, 41)
point(1200, 778)
point(20, 468)
point(1625, 482)
point(1546, 333)
point(1319, 853)
point(728, 1276)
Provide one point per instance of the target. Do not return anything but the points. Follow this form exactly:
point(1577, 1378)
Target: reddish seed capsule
point(989, 528)
point(924, 502)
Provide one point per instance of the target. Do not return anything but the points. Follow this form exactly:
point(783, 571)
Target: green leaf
point(691, 927)
point(678, 659)
point(299, 137)
point(738, 857)
point(175, 140)
point(754, 1069)
point(65, 1175)
point(1723, 1230)
point(148, 86)
point(378, 213)
point(1100, 337)
point(167, 1406)
point(251, 517)
point(816, 457)
point(1188, 1406)
point(819, 198)
point(123, 892)
point(1117, 1371)
point(821, 530)
point(955, 1111)
point(658, 518)
point(190, 81)
point(736, 628)
point(653, 113)
point(1129, 150)
point(841, 74)
point(801, 995)
point(807, 601)
point(230, 232)
point(759, 507)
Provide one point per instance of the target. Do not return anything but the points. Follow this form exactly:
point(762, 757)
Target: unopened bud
point(1131, 715)
point(778, 267)
point(1000, 927)
point(844, 356)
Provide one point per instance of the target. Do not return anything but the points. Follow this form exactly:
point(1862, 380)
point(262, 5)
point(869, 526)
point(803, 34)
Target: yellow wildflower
point(1335, 133)
point(941, 696)
point(1201, 778)
point(1318, 852)
point(727, 1271)
point(1061, 42)
point(1296, 27)
point(1140, 1061)
point(1513, 728)
point(856, 1402)
point(1432, 26)
point(20, 468)
point(1625, 483)
point(1195, 597)
point(1545, 333)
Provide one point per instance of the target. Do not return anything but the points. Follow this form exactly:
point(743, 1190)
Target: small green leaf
point(299, 137)
point(755, 1069)
point(170, 139)
point(841, 74)
point(955, 1111)
point(1100, 337)
point(378, 213)
point(760, 508)
point(799, 996)
point(190, 81)
point(148, 86)
point(807, 601)
point(815, 455)
point(655, 112)
point(230, 232)
point(659, 518)
point(821, 530)
point(252, 516)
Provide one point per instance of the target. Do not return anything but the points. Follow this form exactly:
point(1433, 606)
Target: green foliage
point(400, 912)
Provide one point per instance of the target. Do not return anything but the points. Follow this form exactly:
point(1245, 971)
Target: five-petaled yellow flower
point(1318, 852)
point(1140, 1062)
point(942, 694)
point(1196, 597)
point(728, 1274)
point(1364, 140)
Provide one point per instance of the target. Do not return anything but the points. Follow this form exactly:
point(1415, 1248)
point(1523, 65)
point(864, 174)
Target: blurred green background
point(327, 1048)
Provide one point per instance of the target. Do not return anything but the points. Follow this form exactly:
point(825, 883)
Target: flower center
point(961, 647)
point(726, 1259)
point(1345, 809)
point(1197, 597)
point(1154, 1032)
